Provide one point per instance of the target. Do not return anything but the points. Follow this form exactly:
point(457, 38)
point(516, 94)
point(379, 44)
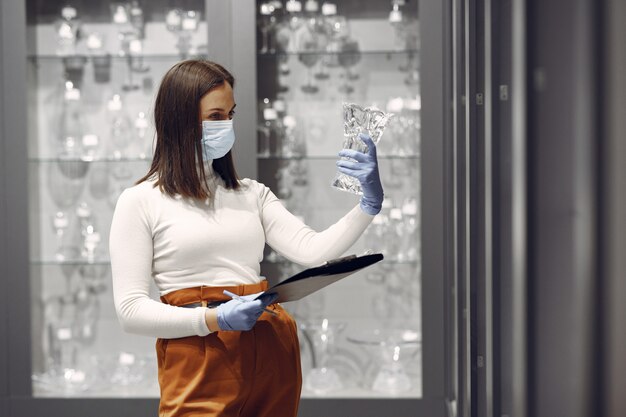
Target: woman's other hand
point(242, 314)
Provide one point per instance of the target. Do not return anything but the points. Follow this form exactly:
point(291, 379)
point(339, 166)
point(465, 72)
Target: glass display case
point(91, 71)
point(361, 337)
point(92, 75)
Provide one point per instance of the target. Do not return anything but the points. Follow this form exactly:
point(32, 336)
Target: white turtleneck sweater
point(180, 243)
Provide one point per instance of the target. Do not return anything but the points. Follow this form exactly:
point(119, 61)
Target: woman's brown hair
point(177, 163)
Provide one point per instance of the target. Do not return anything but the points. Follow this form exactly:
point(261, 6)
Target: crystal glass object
point(357, 119)
point(67, 29)
point(183, 24)
point(393, 352)
point(322, 378)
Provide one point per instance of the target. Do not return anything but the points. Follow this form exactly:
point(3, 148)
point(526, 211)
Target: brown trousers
point(228, 373)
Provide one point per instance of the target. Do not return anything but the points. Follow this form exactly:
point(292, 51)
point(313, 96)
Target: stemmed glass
point(87, 314)
point(294, 21)
point(142, 125)
point(392, 351)
point(120, 126)
point(121, 178)
point(293, 142)
point(88, 231)
point(99, 181)
point(183, 23)
point(100, 58)
point(309, 56)
point(323, 378)
point(62, 351)
point(71, 123)
point(65, 181)
point(357, 119)
point(66, 30)
point(406, 38)
point(349, 56)
point(267, 23)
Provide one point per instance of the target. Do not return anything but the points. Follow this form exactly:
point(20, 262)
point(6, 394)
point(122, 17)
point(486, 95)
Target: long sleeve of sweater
point(180, 244)
point(131, 251)
point(290, 237)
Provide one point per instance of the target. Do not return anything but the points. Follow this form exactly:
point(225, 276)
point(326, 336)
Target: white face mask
point(218, 138)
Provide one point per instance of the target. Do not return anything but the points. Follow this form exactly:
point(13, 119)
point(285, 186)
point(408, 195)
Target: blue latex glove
point(241, 314)
point(365, 169)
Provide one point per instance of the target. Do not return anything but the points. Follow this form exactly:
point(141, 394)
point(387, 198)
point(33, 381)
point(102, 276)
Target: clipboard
point(313, 279)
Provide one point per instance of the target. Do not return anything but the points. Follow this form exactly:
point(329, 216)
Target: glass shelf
point(34, 58)
point(331, 157)
point(388, 52)
point(51, 262)
point(36, 160)
point(383, 263)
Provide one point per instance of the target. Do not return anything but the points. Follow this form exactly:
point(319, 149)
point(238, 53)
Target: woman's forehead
point(220, 97)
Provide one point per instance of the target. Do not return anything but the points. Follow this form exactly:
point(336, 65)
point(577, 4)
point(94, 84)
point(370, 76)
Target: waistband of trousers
point(206, 294)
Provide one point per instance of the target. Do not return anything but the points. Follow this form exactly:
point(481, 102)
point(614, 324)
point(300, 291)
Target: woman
point(196, 229)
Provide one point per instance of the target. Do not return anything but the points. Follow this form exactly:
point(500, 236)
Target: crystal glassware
point(323, 378)
point(393, 352)
point(267, 23)
point(309, 56)
point(74, 69)
point(358, 119)
point(183, 24)
point(350, 56)
point(71, 123)
point(66, 31)
point(119, 125)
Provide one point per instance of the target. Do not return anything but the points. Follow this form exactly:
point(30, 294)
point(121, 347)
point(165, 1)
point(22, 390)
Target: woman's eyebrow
point(221, 109)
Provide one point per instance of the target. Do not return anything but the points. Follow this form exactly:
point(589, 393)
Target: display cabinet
point(370, 344)
point(92, 73)
point(362, 336)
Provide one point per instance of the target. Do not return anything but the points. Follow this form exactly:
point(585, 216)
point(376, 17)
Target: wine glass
point(99, 181)
point(61, 349)
point(309, 56)
point(267, 23)
point(67, 29)
point(392, 353)
point(94, 275)
point(87, 315)
point(323, 378)
point(142, 126)
point(183, 24)
point(349, 56)
point(88, 230)
point(121, 178)
point(119, 126)
point(65, 183)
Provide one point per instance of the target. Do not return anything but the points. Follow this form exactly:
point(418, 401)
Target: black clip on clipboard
point(299, 285)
